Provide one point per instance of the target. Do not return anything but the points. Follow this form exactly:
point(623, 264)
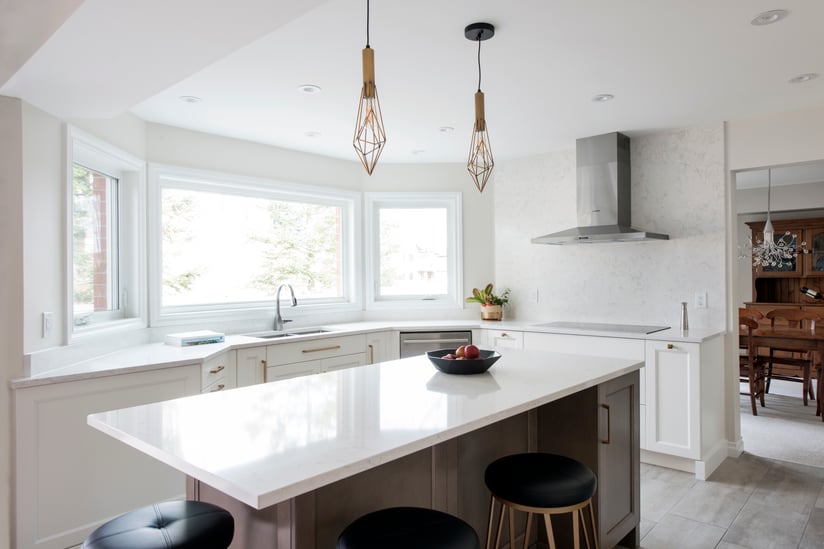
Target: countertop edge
point(134, 359)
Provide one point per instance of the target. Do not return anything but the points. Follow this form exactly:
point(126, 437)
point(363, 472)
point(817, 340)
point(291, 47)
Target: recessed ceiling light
point(603, 97)
point(769, 17)
point(801, 78)
point(312, 134)
point(446, 129)
point(190, 99)
point(309, 89)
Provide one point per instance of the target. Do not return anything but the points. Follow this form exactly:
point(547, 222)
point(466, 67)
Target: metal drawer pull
point(670, 346)
point(371, 353)
point(217, 370)
point(218, 388)
point(263, 365)
point(504, 334)
point(319, 349)
point(461, 340)
point(609, 425)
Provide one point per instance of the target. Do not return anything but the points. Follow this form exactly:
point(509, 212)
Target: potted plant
point(491, 304)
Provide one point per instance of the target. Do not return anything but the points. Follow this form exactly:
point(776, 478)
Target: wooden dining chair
point(750, 365)
point(789, 362)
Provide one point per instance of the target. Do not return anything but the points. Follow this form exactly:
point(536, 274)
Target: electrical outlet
point(48, 324)
point(700, 300)
point(533, 296)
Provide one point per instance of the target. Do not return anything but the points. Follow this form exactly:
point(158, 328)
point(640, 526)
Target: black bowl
point(463, 367)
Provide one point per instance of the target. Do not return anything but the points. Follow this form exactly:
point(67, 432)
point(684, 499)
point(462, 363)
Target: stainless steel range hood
point(603, 186)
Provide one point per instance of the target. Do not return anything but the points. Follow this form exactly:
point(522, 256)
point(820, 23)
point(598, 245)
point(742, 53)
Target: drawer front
point(286, 371)
point(314, 349)
point(505, 338)
point(219, 385)
point(219, 368)
point(343, 362)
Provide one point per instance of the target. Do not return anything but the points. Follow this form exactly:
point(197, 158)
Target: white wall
point(677, 189)
point(11, 289)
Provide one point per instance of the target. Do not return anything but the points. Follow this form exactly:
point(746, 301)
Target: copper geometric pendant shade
point(480, 162)
point(370, 136)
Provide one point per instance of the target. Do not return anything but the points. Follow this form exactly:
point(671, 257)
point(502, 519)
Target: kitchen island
point(297, 460)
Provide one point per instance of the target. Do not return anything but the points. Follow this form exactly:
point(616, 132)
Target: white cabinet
point(504, 339)
point(251, 366)
point(285, 360)
point(219, 373)
point(685, 401)
point(382, 346)
point(70, 478)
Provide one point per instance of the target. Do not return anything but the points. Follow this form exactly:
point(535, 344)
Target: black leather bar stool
point(408, 528)
point(166, 525)
point(546, 484)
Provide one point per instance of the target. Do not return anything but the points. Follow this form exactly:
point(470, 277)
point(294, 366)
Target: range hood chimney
point(603, 195)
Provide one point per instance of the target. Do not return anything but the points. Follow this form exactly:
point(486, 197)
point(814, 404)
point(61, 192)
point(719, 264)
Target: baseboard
point(735, 448)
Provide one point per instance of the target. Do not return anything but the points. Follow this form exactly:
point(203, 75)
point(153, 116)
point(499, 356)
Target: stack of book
point(201, 337)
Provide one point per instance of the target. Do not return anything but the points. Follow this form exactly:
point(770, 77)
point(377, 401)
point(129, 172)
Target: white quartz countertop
point(267, 443)
point(151, 356)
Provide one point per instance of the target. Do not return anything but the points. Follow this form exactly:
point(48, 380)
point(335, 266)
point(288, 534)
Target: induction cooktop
point(604, 327)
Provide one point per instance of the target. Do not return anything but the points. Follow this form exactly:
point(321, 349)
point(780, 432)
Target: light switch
point(700, 300)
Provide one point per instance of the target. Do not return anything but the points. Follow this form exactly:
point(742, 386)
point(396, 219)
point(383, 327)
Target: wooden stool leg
point(751, 377)
point(592, 521)
point(584, 524)
point(550, 536)
point(805, 382)
point(500, 526)
point(576, 531)
point(512, 527)
point(528, 526)
point(491, 519)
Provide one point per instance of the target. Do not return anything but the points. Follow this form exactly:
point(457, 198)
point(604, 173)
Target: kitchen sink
point(291, 333)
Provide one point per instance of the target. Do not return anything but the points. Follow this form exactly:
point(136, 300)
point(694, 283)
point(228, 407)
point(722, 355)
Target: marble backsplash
point(678, 188)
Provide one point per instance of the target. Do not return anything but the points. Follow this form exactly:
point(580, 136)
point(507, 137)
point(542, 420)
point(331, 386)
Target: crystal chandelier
point(772, 252)
point(480, 161)
point(370, 136)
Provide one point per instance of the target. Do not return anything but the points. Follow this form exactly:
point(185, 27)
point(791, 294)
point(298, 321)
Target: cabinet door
point(70, 478)
point(379, 347)
point(619, 471)
point(673, 398)
point(814, 260)
point(251, 366)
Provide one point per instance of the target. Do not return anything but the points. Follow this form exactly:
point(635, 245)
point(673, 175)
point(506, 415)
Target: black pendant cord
point(479, 61)
point(367, 23)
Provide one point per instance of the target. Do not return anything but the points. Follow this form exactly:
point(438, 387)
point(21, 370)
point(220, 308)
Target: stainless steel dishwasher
point(417, 343)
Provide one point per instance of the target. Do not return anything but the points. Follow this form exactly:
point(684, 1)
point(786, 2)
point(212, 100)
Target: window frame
point(451, 201)
point(130, 171)
point(163, 175)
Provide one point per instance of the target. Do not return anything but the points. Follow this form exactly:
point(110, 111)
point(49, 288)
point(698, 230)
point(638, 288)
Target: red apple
point(472, 352)
point(450, 356)
point(459, 352)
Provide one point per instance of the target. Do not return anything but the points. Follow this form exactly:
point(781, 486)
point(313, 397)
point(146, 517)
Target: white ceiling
point(668, 63)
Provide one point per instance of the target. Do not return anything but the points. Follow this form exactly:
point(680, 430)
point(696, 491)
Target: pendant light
point(480, 161)
point(771, 252)
point(370, 137)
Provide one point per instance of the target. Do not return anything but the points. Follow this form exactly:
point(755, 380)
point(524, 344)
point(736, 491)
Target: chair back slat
point(795, 318)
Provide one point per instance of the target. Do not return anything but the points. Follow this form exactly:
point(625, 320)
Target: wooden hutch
point(780, 287)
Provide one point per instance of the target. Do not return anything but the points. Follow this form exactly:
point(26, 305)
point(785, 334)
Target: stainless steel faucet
point(279, 319)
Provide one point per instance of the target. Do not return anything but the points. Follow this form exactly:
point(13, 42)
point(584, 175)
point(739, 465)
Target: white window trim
point(85, 149)
point(449, 200)
point(264, 188)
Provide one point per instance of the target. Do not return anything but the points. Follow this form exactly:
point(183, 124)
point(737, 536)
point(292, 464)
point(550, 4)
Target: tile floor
point(749, 502)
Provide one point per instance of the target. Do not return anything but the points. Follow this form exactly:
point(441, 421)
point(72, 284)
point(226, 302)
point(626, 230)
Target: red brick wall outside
point(101, 248)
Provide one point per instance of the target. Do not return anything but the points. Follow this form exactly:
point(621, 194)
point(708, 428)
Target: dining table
point(795, 340)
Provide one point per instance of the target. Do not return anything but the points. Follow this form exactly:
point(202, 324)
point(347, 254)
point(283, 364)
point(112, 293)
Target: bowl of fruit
point(467, 359)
